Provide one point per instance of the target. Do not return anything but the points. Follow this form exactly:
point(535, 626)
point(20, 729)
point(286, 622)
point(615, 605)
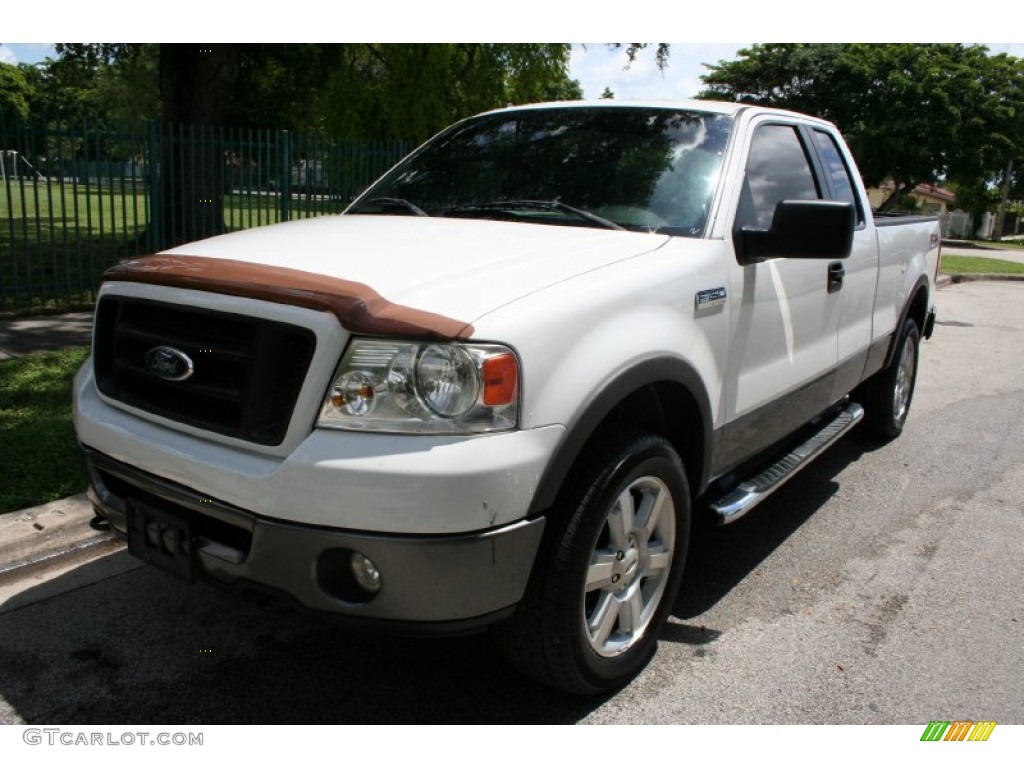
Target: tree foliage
point(15, 91)
point(350, 90)
point(104, 83)
point(910, 112)
point(412, 91)
point(661, 52)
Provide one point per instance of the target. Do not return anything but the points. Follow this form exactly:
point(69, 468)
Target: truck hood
point(453, 267)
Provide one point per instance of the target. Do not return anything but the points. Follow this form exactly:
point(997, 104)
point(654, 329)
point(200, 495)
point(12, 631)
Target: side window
point(838, 173)
point(777, 169)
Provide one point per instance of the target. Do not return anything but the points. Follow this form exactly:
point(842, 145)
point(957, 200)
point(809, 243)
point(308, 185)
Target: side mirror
point(801, 229)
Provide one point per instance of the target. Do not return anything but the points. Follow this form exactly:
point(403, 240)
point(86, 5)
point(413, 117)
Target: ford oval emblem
point(169, 363)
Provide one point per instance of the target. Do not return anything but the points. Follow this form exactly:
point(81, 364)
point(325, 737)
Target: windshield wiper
point(392, 202)
point(534, 205)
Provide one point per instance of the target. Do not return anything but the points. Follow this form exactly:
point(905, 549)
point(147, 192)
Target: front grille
point(247, 371)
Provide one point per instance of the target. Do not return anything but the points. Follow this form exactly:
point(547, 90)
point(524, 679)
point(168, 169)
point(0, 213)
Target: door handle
point(836, 273)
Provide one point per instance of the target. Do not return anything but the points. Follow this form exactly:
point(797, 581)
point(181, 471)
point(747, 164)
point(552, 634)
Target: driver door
point(785, 321)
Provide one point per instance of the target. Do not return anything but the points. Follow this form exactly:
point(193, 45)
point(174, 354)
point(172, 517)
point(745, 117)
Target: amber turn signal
point(501, 378)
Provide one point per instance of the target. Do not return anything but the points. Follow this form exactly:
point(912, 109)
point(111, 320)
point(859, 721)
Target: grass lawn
point(966, 265)
point(38, 454)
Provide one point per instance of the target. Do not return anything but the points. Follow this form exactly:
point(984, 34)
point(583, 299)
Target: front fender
point(592, 414)
point(588, 343)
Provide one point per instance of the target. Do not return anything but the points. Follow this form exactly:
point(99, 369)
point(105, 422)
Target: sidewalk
point(24, 335)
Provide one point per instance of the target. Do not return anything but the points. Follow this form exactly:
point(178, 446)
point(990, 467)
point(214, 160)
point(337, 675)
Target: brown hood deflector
point(359, 308)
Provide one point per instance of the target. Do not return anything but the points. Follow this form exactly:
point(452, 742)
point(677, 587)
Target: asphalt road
point(883, 585)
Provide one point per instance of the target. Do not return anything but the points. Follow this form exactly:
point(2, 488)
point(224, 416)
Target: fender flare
point(920, 285)
point(592, 415)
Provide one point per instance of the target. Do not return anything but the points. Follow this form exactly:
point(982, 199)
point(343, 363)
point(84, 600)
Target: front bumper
point(446, 583)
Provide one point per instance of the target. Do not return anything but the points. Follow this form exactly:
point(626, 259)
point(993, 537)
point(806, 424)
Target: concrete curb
point(48, 532)
point(973, 277)
point(972, 245)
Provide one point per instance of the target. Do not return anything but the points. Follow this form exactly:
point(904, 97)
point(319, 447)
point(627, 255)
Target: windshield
point(641, 169)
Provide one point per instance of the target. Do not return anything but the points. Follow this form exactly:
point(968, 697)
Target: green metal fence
point(75, 199)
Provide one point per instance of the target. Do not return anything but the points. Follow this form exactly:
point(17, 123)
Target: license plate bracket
point(162, 538)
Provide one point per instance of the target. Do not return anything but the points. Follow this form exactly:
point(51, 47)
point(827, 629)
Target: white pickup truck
point(491, 392)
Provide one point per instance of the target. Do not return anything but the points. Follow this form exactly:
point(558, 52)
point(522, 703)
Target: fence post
point(154, 188)
point(284, 142)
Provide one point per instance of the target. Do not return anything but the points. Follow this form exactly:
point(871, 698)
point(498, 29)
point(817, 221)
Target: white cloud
point(7, 55)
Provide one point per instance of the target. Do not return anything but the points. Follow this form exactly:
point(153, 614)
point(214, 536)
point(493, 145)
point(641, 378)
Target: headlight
point(447, 380)
point(394, 386)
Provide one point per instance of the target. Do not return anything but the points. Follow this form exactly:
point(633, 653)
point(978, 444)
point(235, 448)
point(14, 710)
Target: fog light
point(365, 572)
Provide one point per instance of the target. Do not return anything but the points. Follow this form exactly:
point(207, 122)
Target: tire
point(608, 573)
point(887, 396)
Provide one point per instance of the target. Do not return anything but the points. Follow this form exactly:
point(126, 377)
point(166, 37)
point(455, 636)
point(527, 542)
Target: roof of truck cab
point(723, 107)
point(731, 108)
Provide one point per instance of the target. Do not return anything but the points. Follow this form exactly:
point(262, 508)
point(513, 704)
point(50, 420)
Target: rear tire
point(606, 579)
point(886, 397)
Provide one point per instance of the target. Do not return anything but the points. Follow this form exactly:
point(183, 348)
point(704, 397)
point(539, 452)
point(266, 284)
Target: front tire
point(606, 580)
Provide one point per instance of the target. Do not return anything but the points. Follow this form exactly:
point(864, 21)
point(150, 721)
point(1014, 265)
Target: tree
point(975, 199)
point(412, 91)
point(129, 90)
point(196, 82)
point(84, 84)
point(397, 91)
point(280, 86)
point(15, 91)
point(910, 112)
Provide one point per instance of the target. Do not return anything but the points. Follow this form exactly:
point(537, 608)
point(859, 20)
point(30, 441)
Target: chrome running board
point(748, 494)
